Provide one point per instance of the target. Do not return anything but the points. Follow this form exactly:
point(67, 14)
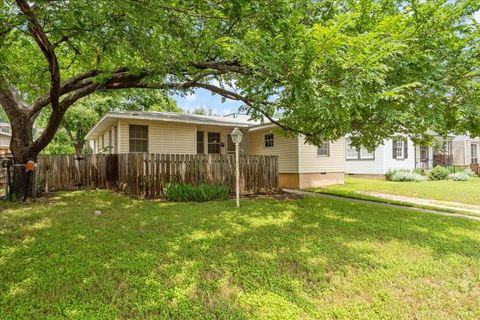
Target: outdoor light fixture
point(237, 138)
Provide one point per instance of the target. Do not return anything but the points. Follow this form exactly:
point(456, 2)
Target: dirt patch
point(279, 195)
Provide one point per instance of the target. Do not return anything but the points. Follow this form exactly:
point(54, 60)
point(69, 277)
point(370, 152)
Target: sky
point(203, 98)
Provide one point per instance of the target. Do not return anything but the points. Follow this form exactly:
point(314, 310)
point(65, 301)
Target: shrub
point(420, 171)
point(439, 173)
point(403, 175)
point(459, 176)
point(200, 193)
point(469, 172)
point(391, 172)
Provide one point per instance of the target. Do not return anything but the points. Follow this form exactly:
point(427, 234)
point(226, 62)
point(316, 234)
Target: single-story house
point(465, 150)
point(395, 153)
point(300, 165)
point(5, 136)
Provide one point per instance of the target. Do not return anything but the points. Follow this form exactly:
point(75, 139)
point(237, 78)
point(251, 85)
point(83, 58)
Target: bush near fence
point(146, 175)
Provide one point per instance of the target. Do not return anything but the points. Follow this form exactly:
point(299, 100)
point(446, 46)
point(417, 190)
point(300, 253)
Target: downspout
point(465, 152)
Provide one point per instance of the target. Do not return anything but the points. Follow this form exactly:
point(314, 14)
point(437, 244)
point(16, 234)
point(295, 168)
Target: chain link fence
point(16, 183)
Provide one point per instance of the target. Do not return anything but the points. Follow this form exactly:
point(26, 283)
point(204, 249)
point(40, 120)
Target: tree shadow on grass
point(210, 260)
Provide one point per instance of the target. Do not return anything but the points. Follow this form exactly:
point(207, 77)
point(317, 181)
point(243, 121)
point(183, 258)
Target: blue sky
point(203, 98)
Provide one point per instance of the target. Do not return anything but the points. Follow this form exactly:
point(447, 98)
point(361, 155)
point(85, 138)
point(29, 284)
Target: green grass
point(271, 259)
point(467, 192)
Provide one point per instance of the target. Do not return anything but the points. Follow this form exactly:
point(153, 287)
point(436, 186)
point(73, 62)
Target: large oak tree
point(369, 68)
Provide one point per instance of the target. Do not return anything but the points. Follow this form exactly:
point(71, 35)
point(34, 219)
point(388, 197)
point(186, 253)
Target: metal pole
point(237, 174)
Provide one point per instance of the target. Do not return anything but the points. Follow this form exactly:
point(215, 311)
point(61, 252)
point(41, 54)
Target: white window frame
point(138, 139)
point(265, 140)
point(370, 156)
point(348, 146)
point(471, 153)
point(324, 144)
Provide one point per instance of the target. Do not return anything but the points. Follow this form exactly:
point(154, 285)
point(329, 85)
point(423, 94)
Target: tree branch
point(47, 48)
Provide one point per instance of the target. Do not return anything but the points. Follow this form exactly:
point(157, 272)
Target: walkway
point(430, 211)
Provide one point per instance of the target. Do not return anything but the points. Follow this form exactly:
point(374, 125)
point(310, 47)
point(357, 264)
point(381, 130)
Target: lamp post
point(237, 138)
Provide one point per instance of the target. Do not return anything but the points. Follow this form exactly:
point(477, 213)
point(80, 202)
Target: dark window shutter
point(405, 146)
point(394, 149)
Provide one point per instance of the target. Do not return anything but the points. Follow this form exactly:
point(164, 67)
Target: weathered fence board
point(146, 175)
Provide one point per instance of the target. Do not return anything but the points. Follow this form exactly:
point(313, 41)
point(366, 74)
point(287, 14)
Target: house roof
point(232, 120)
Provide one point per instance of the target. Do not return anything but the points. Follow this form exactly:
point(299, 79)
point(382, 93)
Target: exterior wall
point(286, 148)
point(163, 137)
point(383, 161)
point(367, 167)
point(4, 141)
point(311, 162)
point(391, 163)
point(462, 150)
point(309, 180)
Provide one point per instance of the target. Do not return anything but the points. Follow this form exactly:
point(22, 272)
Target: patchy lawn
point(290, 259)
point(467, 192)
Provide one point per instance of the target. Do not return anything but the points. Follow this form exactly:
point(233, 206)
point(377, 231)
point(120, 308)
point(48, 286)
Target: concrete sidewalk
point(430, 211)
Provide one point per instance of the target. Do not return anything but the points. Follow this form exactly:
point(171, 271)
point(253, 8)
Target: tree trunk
point(21, 147)
point(79, 148)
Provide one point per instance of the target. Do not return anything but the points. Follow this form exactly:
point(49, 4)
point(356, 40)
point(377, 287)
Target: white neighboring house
point(396, 153)
point(465, 150)
point(5, 136)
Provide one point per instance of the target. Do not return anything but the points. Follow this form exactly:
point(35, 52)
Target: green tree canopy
point(367, 68)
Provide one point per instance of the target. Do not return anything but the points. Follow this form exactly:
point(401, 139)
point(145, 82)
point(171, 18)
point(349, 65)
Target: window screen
point(268, 138)
point(324, 149)
point(214, 144)
point(138, 138)
point(200, 142)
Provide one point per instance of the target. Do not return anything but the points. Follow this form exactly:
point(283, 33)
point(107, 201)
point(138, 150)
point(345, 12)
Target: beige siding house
point(300, 165)
point(465, 150)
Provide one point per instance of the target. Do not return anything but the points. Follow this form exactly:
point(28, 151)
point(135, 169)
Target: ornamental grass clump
point(190, 193)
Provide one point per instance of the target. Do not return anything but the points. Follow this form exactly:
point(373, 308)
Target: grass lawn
point(467, 192)
point(271, 259)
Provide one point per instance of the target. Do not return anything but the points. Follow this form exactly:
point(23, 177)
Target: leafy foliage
point(439, 173)
point(200, 193)
point(365, 68)
point(402, 176)
point(459, 176)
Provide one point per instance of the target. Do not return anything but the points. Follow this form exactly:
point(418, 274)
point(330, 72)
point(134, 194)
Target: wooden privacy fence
point(146, 175)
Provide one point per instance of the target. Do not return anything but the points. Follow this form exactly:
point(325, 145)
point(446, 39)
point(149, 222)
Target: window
point(352, 152)
point(400, 148)
point(268, 138)
point(214, 144)
point(366, 155)
point(474, 147)
point(358, 154)
point(230, 144)
point(138, 138)
point(324, 149)
point(200, 142)
point(6, 129)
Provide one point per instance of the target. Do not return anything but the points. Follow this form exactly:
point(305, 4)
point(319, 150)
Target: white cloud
point(476, 16)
